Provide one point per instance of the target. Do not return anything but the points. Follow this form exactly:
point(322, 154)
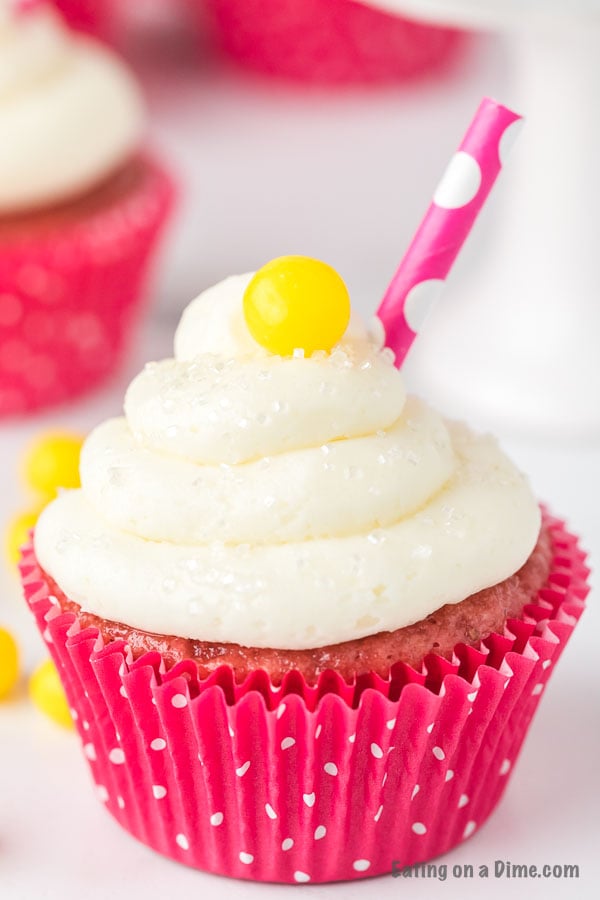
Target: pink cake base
point(318, 783)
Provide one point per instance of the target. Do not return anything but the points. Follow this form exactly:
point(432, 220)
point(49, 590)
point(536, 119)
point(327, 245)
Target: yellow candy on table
point(47, 693)
point(52, 461)
point(17, 532)
point(296, 303)
point(9, 662)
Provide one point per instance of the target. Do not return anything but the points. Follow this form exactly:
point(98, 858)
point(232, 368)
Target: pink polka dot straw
point(458, 198)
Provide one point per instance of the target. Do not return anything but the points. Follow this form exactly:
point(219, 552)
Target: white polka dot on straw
point(507, 139)
point(420, 300)
point(459, 183)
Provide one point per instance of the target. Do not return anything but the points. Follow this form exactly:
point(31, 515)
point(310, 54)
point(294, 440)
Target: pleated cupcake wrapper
point(340, 41)
point(91, 16)
point(71, 294)
point(308, 783)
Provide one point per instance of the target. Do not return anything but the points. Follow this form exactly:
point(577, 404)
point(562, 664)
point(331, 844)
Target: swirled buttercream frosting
point(283, 502)
point(70, 111)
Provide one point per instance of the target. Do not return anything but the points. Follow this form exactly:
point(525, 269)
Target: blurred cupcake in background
point(81, 208)
point(325, 41)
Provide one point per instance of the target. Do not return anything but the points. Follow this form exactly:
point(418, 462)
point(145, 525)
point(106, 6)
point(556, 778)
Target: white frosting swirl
point(70, 112)
point(281, 502)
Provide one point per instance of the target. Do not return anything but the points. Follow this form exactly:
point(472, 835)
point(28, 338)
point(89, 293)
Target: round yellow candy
point(296, 303)
point(9, 662)
point(47, 693)
point(17, 533)
point(52, 461)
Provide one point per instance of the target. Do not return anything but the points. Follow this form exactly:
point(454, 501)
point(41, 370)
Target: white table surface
point(345, 176)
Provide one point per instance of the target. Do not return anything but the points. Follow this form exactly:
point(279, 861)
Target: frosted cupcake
point(244, 597)
point(81, 208)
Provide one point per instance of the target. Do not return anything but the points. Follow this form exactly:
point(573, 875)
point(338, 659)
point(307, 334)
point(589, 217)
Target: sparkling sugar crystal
point(422, 551)
point(357, 564)
point(353, 472)
point(327, 388)
point(115, 475)
point(340, 359)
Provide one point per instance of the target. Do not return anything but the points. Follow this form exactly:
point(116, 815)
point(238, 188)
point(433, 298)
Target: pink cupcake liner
point(323, 40)
point(324, 782)
point(69, 295)
point(91, 16)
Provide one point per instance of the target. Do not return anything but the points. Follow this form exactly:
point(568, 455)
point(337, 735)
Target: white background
point(267, 169)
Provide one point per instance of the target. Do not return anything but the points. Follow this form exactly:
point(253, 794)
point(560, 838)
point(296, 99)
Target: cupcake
point(303, 622)
point(324, 41)
point(81, 209)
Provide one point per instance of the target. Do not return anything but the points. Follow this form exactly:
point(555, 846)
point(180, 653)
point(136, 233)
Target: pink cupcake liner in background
point(302, 783)
point(69, 295)
point(91, 16)
point(325, 41)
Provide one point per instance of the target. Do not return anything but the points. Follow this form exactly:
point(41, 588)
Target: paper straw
point(460, 195)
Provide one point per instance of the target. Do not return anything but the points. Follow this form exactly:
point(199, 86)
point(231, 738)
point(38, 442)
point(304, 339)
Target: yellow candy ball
point(295, 302)
point(9, 662)
point(17, 533)
point(52, 461)
point(47, 693)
